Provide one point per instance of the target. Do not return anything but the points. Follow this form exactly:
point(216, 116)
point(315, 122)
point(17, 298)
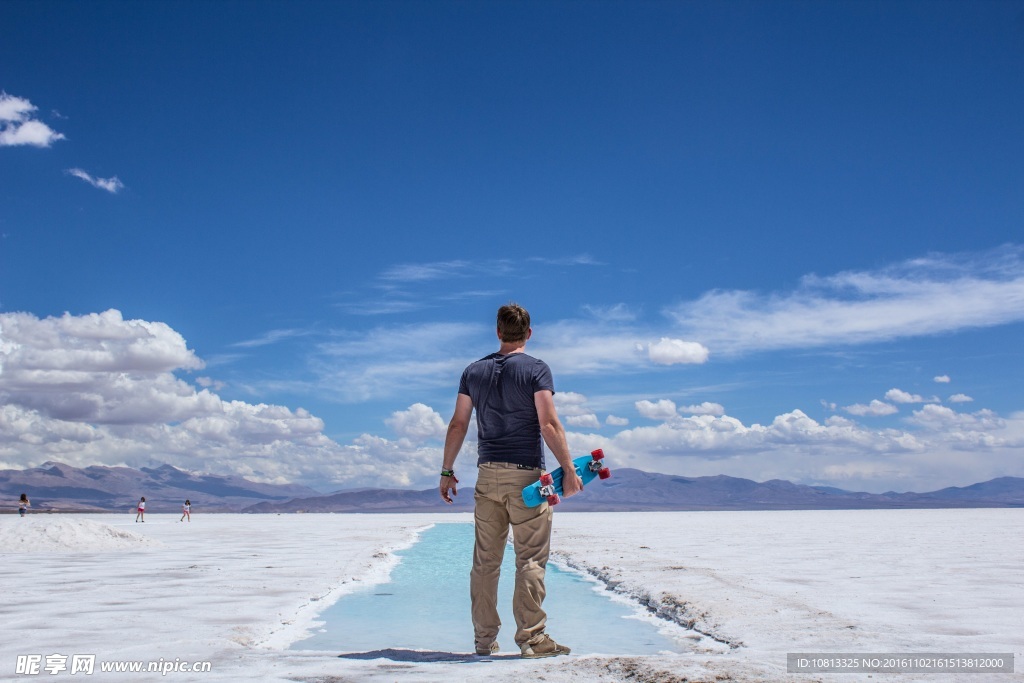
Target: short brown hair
point(513, 323)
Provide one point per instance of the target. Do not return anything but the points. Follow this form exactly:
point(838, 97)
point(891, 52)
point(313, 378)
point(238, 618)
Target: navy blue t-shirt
point(502, 389)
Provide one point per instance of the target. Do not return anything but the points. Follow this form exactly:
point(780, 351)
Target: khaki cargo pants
point(499, 503)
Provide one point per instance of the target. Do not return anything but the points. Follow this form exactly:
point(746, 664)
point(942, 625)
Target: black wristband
point(447, 473)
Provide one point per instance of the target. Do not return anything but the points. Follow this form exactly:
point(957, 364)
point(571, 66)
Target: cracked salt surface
point(426, 606)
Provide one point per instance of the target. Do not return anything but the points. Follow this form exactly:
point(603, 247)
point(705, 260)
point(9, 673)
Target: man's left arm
point(554, 436)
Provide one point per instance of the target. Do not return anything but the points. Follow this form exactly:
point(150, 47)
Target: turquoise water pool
point(426, 606)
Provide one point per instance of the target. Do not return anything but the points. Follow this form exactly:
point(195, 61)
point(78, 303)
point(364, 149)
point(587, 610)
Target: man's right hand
point(571, 483)
point(448, 484)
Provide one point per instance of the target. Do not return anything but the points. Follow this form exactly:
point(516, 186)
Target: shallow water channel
point(426, 606)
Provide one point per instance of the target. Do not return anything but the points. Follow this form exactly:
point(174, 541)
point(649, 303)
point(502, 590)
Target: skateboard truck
point(596, 465)
point(547, 489)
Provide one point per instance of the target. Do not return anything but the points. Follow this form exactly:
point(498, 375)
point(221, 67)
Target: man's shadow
point(424, 656)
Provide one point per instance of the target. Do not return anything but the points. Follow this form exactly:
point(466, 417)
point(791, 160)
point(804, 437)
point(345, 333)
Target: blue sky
point(763, 239)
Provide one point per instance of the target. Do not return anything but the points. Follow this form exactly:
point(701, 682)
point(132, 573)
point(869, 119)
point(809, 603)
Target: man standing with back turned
point(513, 396)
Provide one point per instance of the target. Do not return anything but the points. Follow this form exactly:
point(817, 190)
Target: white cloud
point(418, 423)
point(412, 286)
point(96, 342)
point(17, 127)
point(112, 185)
point(589, 420)
point(960, 398)
point(268, 338)
point(419, 272)
point(99, 389)
point(672, 351)
point(210, 383)
point(34, 133)
point(620, 313)
point(614, 421)
point(572, 407)
point(919, 297)
point(900, 396)
point(875, 409)
point(664, 409)
point(14, 109)
point(705, 408)
point(458, 268)
point(942, 379)
point(941, 448)
point(571, 404)
point(571, 348)
point(394, 361)
point(577, 260)
point(963, 427)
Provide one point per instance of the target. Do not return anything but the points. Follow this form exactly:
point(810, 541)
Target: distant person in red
point(512, 394)
point(141, 510)
point(23, 505)
point(186, 511)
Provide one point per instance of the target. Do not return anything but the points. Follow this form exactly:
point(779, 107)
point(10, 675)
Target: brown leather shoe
point(543, 646)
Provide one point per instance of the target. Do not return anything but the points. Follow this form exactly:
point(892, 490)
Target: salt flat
point(746, 587)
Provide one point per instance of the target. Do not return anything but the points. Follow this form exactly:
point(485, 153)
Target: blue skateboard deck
point(586, 466)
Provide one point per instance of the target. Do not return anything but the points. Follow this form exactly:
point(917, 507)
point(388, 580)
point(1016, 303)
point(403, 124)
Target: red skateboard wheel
point(546, 479)
point(604, 473)
point(553, 499)
point(598, 454)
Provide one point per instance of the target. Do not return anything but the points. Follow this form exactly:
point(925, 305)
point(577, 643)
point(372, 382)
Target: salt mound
point(38, 533)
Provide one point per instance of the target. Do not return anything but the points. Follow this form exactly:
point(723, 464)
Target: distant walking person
point(515, 409)
point(23, 505)
point(141, 510)
point(186, 511)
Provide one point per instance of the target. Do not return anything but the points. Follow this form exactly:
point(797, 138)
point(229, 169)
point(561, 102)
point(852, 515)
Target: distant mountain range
point(636, 490)
point(372, 500)
point(55, 486)
point(630, 489)
point(62, 487)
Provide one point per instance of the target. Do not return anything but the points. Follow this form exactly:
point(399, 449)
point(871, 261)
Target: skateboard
point(549, 487)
